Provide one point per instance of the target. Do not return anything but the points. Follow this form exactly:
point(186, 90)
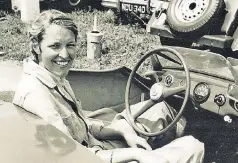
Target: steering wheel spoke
point(147, 105)
point(172, 91)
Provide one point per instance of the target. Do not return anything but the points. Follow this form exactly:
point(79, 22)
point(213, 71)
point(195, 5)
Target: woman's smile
point(58, 50)
point(62, 63)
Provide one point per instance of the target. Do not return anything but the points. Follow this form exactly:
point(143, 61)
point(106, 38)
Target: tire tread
point(197, 26)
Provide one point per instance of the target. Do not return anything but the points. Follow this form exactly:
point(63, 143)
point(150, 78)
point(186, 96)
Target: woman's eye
point(71, 45)
point(55, 46)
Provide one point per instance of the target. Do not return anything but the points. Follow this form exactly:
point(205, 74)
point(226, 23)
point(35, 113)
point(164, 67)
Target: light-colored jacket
point(52, 99)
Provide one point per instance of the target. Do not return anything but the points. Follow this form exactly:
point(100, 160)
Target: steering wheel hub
point(156, 91)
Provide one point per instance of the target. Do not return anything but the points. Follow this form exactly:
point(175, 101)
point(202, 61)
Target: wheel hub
point(190, 10)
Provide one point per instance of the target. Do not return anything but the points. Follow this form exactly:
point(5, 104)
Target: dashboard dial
point(169, 80)
point(201, 92)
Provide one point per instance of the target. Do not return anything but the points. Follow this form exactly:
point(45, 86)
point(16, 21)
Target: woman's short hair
point(44, 20)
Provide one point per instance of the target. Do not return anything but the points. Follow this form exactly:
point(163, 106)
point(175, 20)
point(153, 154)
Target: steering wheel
point(158, 92)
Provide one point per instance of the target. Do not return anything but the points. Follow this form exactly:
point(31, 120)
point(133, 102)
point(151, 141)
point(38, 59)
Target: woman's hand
point(129, 134)
point(135, 141)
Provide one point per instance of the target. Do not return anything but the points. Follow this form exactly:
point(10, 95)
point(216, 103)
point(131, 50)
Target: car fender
point(27, 138)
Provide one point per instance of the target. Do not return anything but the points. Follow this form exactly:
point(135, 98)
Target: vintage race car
point(200, 85)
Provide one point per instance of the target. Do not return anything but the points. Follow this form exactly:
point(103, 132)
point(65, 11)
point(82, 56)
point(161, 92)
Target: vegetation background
point(125, 38)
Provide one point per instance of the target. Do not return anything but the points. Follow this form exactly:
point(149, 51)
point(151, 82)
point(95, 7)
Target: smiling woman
point(44, 91)
point(55, 49)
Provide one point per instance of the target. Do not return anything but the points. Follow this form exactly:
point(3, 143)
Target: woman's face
point(57, 50)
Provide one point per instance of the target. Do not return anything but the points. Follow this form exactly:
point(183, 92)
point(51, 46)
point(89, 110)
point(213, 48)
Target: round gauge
point(201, 92)
point(169, 80)
point(236, 105)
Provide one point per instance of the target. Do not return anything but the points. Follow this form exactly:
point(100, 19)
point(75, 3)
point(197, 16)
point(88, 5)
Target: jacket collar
point(42, 74)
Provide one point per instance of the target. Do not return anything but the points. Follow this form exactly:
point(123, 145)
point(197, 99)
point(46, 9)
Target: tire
point(74, 2)
point(194, 16)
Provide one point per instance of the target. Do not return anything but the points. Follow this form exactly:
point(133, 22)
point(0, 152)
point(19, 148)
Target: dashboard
point(207, 92)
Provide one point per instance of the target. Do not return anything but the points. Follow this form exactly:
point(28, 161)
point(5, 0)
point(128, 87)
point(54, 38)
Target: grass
point(123, 43)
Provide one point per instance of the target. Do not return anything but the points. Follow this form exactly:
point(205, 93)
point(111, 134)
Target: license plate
point(134, 8)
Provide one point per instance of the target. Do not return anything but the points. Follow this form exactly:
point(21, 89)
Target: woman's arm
point(40, 104)
point(110, 131)
point(119, 129)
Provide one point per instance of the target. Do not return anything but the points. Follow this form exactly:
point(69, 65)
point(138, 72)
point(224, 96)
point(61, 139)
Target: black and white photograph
point(118, 81)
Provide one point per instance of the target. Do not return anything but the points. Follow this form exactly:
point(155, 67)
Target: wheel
point(157, 92)
point(186, 16)
point(74, 2)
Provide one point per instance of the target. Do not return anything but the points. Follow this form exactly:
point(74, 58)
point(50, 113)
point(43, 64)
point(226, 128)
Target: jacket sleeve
point(40, 103)
point(94, 126)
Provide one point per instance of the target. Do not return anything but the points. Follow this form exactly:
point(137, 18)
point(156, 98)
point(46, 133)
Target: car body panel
point(105, 88)
point(10, 76)
point(27, 138)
